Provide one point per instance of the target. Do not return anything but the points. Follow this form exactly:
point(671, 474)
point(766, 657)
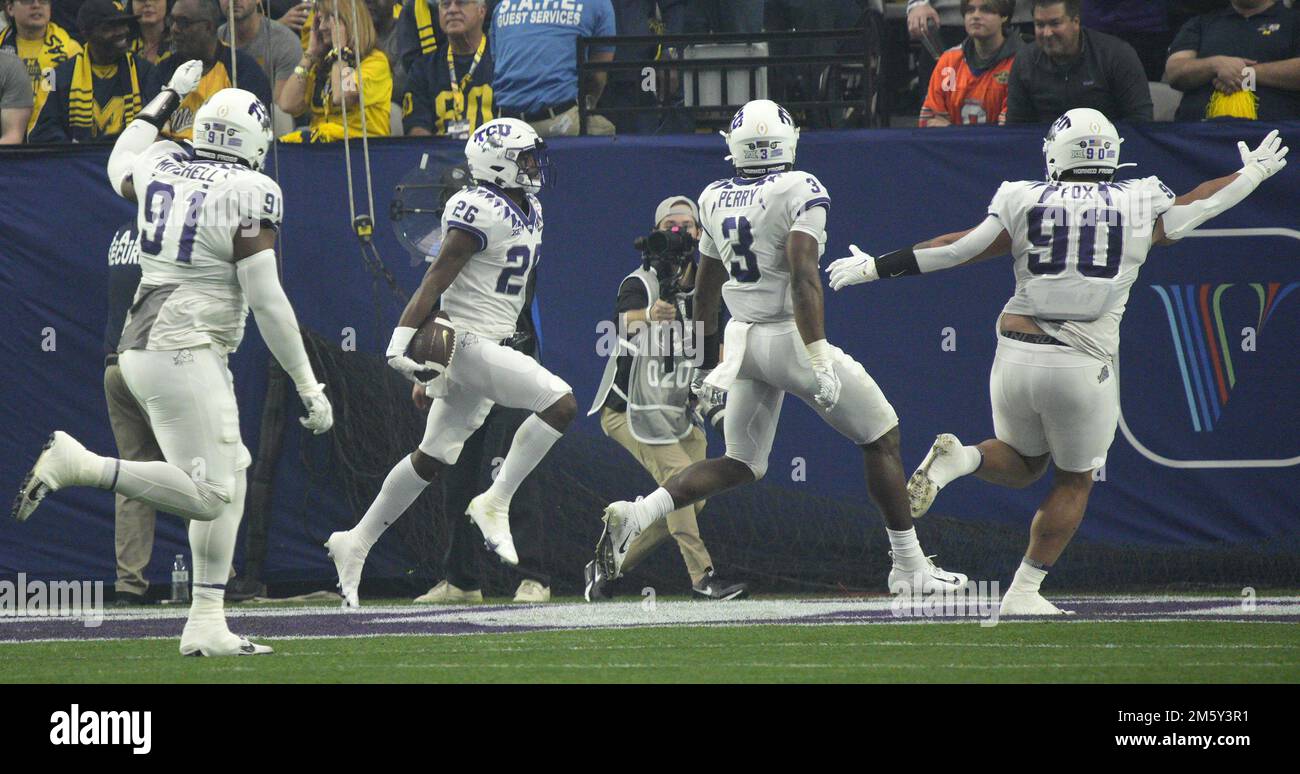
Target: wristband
point(819, 352)
point(900, 263)
point(401, 340)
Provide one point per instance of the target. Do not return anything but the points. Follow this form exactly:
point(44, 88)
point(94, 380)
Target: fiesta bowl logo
point(1207, 368)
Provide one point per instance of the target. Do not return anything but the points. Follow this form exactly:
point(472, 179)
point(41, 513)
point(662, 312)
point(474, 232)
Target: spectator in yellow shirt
point(40, 43)
point(338, 70)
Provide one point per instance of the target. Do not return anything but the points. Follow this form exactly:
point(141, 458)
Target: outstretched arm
point(987, 240)
point(1221, 194)
point(142, 132)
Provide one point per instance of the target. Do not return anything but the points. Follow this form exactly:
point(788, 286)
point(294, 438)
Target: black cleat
point(594, 580)
point(713, 587)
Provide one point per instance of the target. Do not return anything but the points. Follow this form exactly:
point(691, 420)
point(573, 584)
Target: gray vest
point(659, 382)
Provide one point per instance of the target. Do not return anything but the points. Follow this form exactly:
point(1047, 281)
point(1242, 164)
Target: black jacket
point(1106, 76)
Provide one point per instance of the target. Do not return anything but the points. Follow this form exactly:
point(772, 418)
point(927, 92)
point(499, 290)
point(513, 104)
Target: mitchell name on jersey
point(745, 223)
point(488, 295)
point(190, 211)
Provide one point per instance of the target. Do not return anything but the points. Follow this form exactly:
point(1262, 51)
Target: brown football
point(433, 345)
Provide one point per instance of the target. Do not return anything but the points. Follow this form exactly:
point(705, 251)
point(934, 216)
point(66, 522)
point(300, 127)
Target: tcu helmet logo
point(738, 119)
point(1061, 124)
point(492, 133)
point(785, 116)
point(256, 110)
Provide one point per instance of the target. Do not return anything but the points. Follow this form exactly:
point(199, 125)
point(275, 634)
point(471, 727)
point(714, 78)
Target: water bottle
point(180, 580)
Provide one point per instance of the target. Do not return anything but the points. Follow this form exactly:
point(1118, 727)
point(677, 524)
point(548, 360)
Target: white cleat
point(1028, 603)
point(63, 462)
point(929, 579)
point(349, 560)
point(924, 485)
point(446, 593)
point(494, 522)
point(620, 530)
point(213, 641)
point(532, 591)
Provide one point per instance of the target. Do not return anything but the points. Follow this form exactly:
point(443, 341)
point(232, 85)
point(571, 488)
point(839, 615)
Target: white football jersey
point(189, 212)
point(745, 224)
point(1078, 248)
point(489, 293)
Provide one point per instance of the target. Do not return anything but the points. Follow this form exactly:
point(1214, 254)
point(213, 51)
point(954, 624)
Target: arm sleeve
point(417, 103)
point(275, 318)
point(930, 259)
point(631, 296)
point(1020, 106)
point(1181, 219)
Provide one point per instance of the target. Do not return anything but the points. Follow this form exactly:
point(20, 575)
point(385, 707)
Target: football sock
point(652, 508)
point(164, 486)
point(400, 489)
point(964, 461)
point(1029, 576)
point(212, 544)
point(906, 549)
point(532, 441)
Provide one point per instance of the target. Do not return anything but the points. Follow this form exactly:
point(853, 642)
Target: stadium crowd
point(79, 70)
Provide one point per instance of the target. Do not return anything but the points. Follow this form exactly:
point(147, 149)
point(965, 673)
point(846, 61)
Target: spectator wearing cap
point(15, 98)
point(193, 25)
point(342, 75)
point(644, 399)
point(969, 84)
point(1240, 62)
point(40, 43)
point(449, 93)
point(100, 90)
point(272, 45)
point(1071, 67)
point(534, 49)
point(152, 43)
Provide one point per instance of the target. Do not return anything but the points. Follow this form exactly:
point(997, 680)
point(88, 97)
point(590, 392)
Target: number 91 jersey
point(746, 222)
point(189, 213)
point(488, 294)
point(1078, 247)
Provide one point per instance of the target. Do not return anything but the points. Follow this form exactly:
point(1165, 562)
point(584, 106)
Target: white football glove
point(1266, 160)
point(397, 359)
point(320, 414)
point(853, 269)
point(186, 78)
point(823, 365)
point(712, 401)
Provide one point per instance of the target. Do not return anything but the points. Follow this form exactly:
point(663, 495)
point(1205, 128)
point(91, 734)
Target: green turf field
point(1084, 652)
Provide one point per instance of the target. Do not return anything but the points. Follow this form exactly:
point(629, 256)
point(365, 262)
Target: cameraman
point(645, 400)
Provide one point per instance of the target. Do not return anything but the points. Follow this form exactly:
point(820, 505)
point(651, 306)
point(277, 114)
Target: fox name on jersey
point(745, 222)
point(190, 209)
point(488, 294)
point(1078, 247)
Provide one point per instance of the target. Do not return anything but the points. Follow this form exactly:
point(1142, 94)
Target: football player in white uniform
point(1078, 240)
point(763, 233)
point(207, 220)
point(492, 243)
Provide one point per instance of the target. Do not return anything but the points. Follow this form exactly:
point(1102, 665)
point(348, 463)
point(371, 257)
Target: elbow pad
point(138, 136)
point(930, 259)
point(1182, 219)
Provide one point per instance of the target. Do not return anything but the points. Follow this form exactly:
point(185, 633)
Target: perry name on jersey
point(746, 222)
point(1078, 248)
point(190, 211)
point(488, 295)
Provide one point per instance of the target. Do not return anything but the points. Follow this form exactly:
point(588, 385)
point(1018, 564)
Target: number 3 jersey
point(488, 295)
point(746, 222)
point(1078, 248)
point(190, 211)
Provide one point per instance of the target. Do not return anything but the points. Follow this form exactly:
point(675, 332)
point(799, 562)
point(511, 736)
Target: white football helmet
point(233, 125)
point(762, 136)
point(1083, 140)
point(499, 150)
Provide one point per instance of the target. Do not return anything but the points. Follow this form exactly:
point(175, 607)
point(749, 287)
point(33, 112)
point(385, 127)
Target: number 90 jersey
point(189, 212)
point(1078, 248)
point(489, 293)
point(746, 222)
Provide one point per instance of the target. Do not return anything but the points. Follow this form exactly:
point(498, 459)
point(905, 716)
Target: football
point(433, 346)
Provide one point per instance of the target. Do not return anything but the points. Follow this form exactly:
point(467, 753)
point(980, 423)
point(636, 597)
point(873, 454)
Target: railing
point(827, 67)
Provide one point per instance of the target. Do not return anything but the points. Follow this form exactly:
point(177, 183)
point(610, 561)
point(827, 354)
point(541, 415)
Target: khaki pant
point(134, 521)
point(566, 125)
point(663, 462)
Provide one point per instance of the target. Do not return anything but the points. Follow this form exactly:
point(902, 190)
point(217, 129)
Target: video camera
point(668, 253)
